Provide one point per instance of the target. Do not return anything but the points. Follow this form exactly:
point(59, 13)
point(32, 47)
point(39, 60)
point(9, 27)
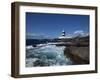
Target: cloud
point(36, 36)
point(80, 33)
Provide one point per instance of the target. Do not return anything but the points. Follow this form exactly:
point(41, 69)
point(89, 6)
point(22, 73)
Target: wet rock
point(80, 55)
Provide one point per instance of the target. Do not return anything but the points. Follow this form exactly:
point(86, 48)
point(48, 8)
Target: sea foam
point(46, 55)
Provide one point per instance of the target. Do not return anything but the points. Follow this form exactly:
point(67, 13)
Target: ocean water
point(46, 55)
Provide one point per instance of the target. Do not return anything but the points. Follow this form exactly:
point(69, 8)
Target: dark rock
point(79, 55)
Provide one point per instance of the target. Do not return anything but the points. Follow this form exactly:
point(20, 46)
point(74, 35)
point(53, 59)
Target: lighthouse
point(63, 33)
point(64, 36)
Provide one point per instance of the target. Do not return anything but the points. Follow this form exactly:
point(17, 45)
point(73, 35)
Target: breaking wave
point(46, 55)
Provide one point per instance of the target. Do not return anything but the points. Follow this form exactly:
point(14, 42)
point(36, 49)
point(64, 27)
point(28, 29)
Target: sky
point(52, 24)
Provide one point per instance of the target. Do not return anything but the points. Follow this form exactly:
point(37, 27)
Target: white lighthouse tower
point(63, 35)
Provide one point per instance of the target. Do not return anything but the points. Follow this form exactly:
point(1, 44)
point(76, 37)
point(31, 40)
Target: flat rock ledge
point(79, 55)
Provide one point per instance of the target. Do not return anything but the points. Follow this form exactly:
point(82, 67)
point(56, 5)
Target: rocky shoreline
point(80, 55)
